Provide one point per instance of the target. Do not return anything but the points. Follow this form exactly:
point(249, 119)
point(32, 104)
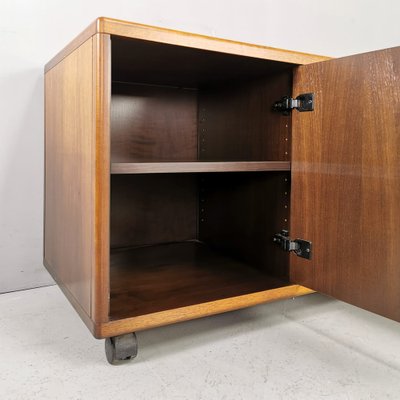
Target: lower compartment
point(150, 279)
point(181, 240)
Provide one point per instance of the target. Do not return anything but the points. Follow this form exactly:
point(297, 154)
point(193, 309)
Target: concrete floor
point(307, 348)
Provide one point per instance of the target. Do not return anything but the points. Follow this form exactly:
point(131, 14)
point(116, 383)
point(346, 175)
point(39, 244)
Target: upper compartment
point(174, 104)
point(178, 97)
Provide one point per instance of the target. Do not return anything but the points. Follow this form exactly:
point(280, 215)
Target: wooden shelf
point(198, 166)
point(156, 278)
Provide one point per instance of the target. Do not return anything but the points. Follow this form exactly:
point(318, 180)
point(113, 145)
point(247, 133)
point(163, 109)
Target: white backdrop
point(32, 31)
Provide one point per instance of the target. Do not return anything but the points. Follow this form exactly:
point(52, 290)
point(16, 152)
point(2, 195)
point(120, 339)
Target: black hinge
point(300, 247)
point(304, 102)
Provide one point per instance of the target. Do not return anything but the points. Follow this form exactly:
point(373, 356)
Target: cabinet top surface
point(162, 35)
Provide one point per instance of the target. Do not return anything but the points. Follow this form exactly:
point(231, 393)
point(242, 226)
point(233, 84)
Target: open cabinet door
point(346, 180)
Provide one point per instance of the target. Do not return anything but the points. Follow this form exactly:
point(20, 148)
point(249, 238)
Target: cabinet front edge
point(180, 38)
point(167, 317)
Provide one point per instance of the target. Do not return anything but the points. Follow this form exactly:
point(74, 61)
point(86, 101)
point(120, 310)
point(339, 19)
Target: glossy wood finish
point(345, 180)
point(69, 173)
point(236, 121)
point(150, 279)
point(91, 125)
point(241, 212)
point(155, 34)
point(153, 123)
point(169, 36)
point(149, 209)
point(154, 320)
point(199, 166)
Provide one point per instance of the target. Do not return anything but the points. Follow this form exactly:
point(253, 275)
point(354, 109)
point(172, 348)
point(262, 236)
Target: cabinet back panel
point(151, 209)
point(153, 123)
point(241, 212)
point(236, 121)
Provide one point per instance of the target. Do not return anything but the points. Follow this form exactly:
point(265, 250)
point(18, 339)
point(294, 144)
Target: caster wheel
point(121, 348)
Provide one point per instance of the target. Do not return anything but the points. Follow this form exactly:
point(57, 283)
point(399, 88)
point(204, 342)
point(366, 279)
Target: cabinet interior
point(180, 235)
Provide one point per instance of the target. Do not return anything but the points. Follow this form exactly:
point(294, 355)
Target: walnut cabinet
point(173, 162)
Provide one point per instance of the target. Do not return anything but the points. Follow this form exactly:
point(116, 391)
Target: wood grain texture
point(69, 173)
point(149, 209)
point(346, 180)
point(236, 121)
point(241, 212)
point(153, 123)
point(168, 36)
point(80, 219)
point(153, 320)
point(150, 279)
point(101, 180)
point(202, 166)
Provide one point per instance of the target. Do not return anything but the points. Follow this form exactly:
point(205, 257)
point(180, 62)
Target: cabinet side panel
point(69, 170)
